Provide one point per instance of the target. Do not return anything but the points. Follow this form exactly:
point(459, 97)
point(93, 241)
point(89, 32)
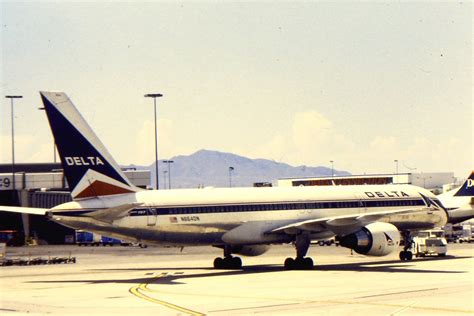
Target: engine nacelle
point(251, 250)
point(376, 239)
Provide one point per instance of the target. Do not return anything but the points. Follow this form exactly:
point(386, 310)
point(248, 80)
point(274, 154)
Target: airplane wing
point(24, 210)
point(345, 224)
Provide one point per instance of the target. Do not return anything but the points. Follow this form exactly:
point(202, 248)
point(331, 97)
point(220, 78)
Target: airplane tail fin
point(467, 189)
point(89, 168)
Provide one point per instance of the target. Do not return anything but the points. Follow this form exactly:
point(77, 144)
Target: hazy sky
point(303, 83)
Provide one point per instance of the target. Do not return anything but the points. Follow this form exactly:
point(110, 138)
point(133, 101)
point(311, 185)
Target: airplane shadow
point(176, 276)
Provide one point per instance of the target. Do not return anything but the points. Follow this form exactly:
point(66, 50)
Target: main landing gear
point(300, 262)
point(406, 254)
point(228, 262)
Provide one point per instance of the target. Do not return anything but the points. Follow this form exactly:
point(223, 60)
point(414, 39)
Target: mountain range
point(219, 169)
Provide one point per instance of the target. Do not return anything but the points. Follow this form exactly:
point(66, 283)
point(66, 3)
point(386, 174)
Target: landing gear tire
point(308, 263)
point(299, 264)
point(229, 263)
point(289, 263)
point(236, 263)
point(406, 255)
point(218, 263)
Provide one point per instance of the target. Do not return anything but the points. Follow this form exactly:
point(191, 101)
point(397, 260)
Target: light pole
point(424, 178)
point(154, 96)
point(169, 162)
point(332, 168)
point(54, 144)
point(396, 168)
point(11, 97)
point(164, 178)
point(230, 176)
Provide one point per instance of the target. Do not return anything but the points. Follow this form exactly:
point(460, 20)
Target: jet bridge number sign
point(5, 183)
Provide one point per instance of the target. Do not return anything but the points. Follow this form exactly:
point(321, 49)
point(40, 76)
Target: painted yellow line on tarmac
point(138, 292)
point(142, 288)
point(292, 300)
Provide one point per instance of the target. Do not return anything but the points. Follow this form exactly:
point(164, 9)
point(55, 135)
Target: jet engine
point(250, 251)
point(376, 239)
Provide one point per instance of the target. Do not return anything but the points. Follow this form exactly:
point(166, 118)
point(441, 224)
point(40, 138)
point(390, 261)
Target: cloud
point(311, 140)
point(314, 140)
point(311, 127)
point(142, 151)
point(277, 149)
point(28, 148)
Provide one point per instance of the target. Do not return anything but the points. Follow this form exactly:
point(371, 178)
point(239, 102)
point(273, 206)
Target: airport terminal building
point(42, 185)
point(433, 181)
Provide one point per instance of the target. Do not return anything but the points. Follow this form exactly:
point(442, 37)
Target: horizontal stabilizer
point(109, 215)
point(24, 210)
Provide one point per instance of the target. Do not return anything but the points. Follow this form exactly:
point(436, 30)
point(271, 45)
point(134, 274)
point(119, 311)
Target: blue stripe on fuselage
point(240, 208)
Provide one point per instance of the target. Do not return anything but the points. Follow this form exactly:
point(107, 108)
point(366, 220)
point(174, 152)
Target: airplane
point(459, 202)
point(370, 219)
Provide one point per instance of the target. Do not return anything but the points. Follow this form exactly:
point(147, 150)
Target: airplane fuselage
point(204, 216)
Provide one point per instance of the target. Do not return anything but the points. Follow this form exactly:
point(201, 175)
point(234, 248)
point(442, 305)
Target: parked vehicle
point(12, 237)
point(467, 234)
point(328, 242)
point(430, 243)
point(84, 238)
point(453, 232)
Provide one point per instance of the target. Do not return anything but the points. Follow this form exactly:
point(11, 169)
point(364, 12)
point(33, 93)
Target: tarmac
point(173, 281)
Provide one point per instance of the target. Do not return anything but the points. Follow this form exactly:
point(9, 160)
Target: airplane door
point(151, 216)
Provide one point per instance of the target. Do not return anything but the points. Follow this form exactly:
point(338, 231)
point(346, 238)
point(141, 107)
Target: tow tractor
point(430, 243)
point(467, 234)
